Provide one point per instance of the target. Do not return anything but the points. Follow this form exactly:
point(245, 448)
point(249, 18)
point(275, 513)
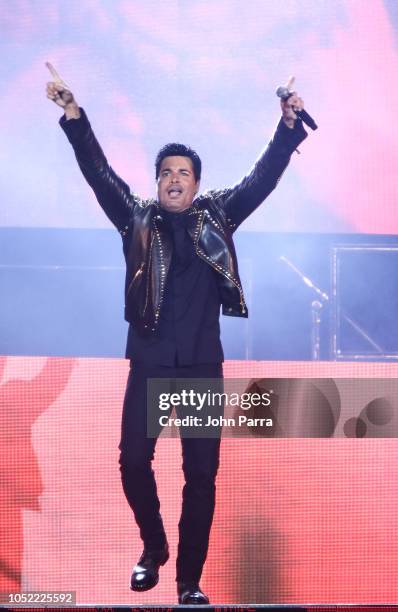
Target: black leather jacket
point(215, 215)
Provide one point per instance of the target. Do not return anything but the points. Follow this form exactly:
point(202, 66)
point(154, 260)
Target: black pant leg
point(201, 459)
point(200, 465)
point(137, 453)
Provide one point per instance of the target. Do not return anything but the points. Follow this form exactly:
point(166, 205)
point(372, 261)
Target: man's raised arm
point(111, 191)
point(243, 198)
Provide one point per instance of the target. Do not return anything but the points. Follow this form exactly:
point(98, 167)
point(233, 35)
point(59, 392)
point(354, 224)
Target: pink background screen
point(204, 73)
point(317, 516)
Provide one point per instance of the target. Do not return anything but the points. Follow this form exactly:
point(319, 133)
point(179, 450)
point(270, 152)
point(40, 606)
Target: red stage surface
point(297, 520)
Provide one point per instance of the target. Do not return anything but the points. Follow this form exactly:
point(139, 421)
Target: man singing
point(181, 268)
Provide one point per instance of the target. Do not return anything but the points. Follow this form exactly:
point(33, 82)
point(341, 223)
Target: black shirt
point(189, 330)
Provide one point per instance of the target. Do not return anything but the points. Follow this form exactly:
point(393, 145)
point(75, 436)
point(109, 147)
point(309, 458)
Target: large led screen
point(316, 517)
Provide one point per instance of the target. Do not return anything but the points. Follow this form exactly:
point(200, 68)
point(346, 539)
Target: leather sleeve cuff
point(288, 139)
point(75, 128)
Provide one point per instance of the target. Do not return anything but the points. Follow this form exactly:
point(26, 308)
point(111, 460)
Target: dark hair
point(175, 148)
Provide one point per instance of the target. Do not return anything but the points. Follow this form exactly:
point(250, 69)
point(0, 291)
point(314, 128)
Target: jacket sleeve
point(112, 193)
point(239, 201)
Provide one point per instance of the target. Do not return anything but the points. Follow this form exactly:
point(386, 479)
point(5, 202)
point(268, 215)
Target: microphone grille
point(283, 92)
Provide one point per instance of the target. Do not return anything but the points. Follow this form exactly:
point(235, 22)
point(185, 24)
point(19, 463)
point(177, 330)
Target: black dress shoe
point(146, 573)
point(189, 593)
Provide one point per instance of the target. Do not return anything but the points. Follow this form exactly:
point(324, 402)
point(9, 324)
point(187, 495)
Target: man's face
point(177, 185)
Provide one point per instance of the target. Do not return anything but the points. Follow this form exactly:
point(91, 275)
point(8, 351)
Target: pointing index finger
point(289, 84)
point(55, 75)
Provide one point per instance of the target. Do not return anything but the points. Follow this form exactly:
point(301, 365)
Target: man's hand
point(59, 92)
point(293, 103)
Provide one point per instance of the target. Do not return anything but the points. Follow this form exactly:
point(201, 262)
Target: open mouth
point(174, 192)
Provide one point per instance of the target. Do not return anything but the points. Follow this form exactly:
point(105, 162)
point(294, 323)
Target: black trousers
point(200, 465)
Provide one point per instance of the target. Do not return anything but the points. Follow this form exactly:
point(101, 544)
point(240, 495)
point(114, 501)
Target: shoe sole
point(193, 603)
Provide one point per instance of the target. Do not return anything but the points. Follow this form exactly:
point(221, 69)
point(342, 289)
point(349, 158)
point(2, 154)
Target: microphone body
point(284, 94)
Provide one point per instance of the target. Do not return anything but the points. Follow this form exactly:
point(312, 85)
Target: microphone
point(284, 94)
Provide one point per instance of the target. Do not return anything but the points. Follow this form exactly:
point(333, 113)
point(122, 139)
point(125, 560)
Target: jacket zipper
point(147, 275)
point(162, 273)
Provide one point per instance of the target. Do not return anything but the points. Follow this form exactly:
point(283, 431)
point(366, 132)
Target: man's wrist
point(72, 111)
